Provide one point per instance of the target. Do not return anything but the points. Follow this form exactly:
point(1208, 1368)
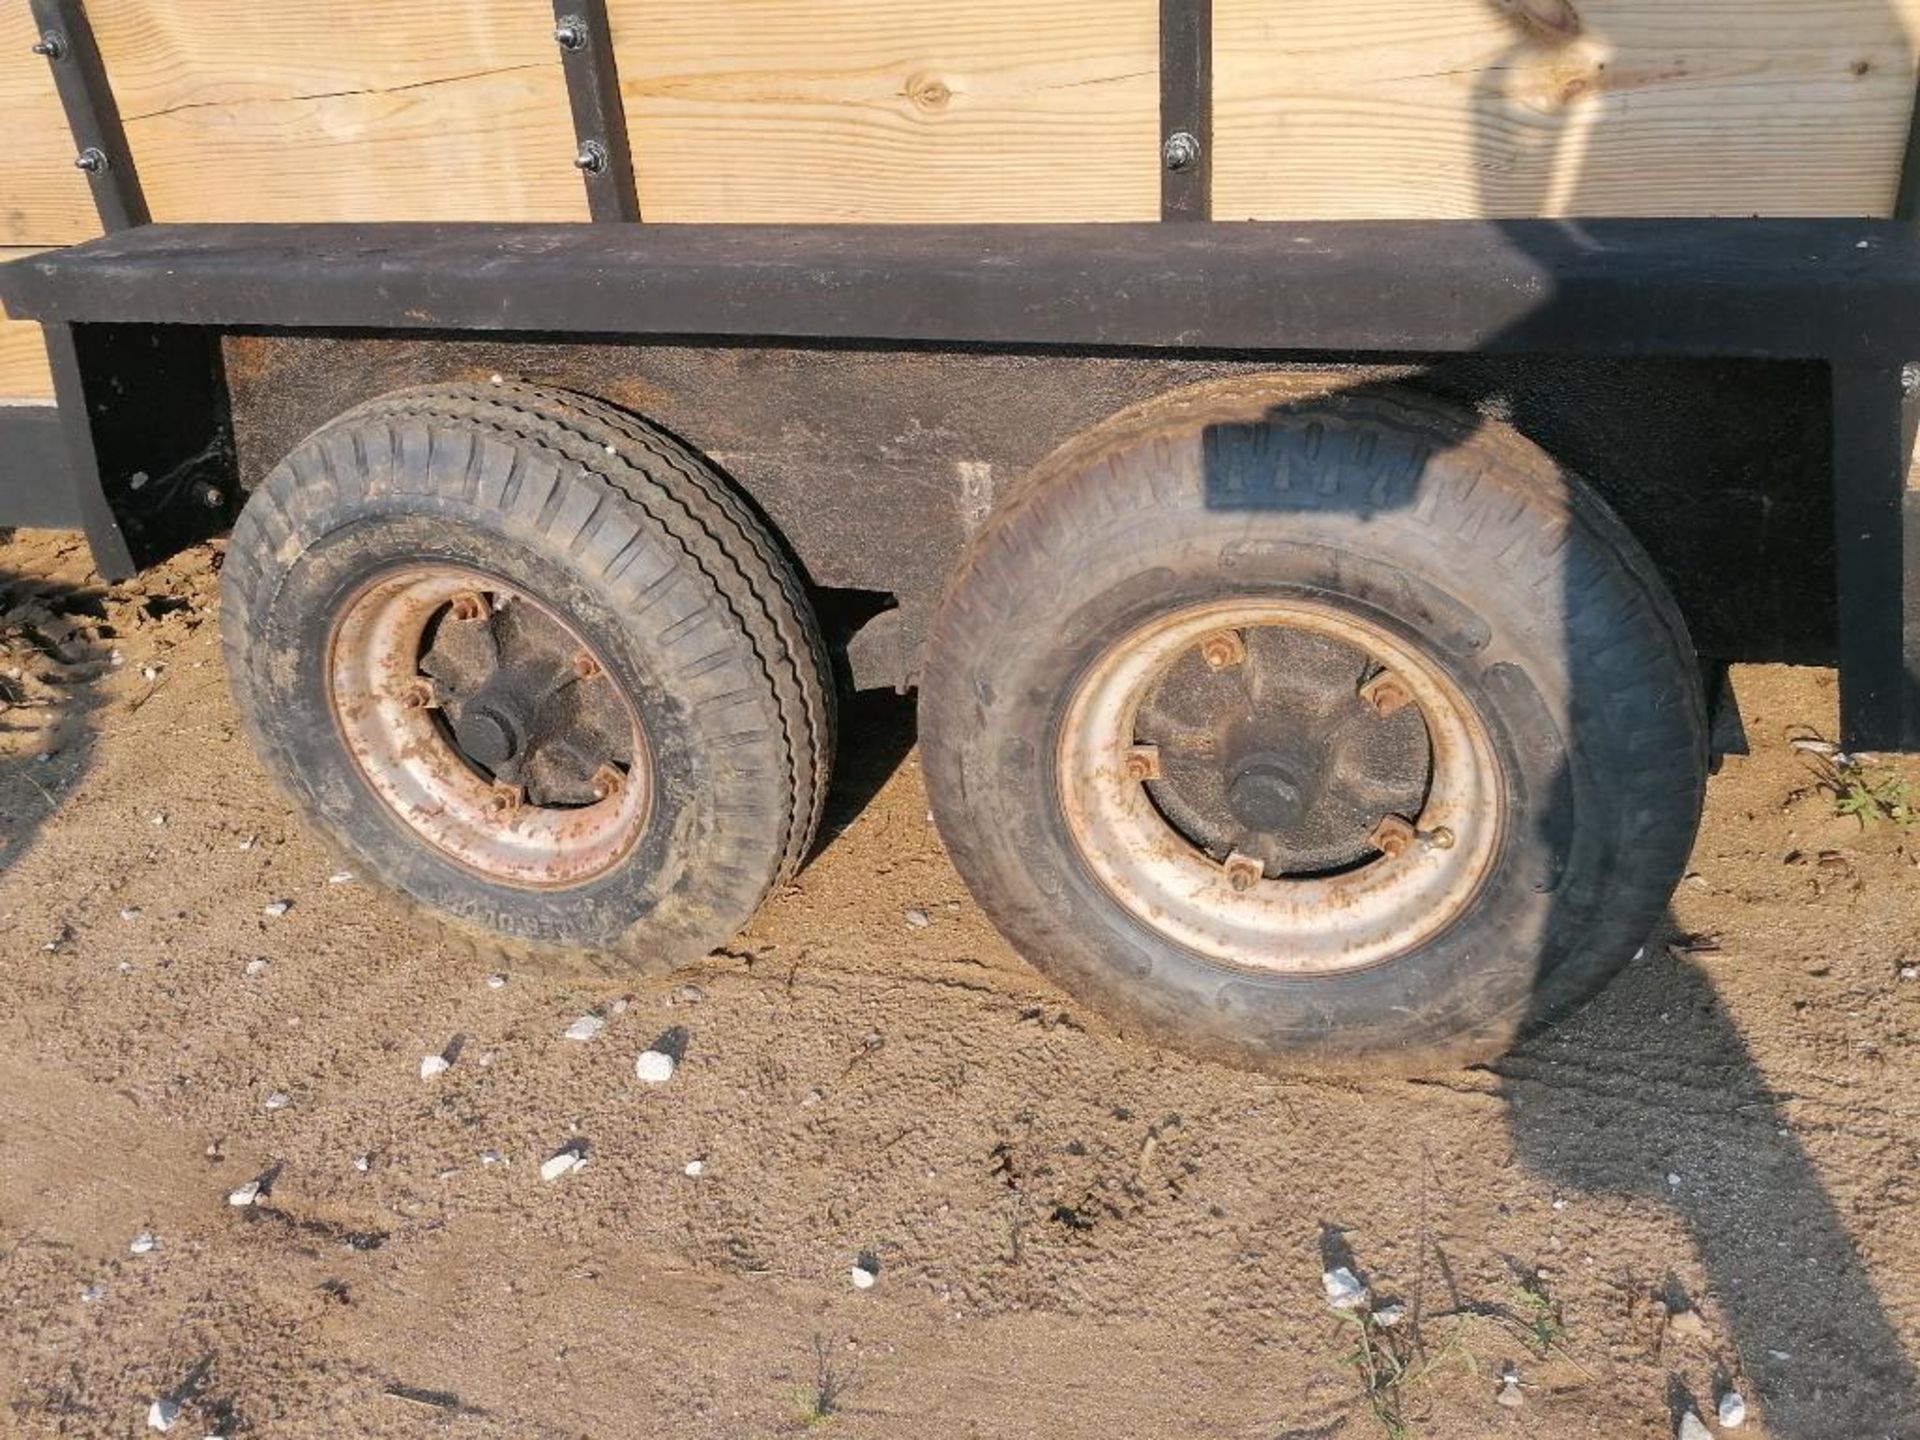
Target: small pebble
point(1344, 1290)
point(1733, 1410)
point(433, 1065)
point(363, 1163)
point(689, 995)
point(1910, 972)
point(277, 909)
point(494, 982)
point(150, 672)
point(695, 1168)
point(1673, 1180)
point(492, 1157)
point(564, 1162)
point(865, 1271)
point(257, 967)
point(918, 919)
point(1510, 1393)
point(619, 1007)
point(585, 1028)
point(278, 1101)
point(131, 912)
point(249, 842)
point(247, 1194)
point(1692, 1427)
point(143, 1243)
point(340, 877)
point(1389, 1315)
point(162, 1413)
point(158, 819)
point(93, 1293)
point(654, 1066)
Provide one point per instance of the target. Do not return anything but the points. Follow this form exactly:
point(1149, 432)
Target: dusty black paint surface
point(876, 464)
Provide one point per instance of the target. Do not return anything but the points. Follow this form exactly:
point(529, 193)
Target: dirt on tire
point(1702, 1181)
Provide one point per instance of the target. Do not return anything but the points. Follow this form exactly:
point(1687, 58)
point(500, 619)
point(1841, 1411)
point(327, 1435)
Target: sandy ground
point(1705, 1178)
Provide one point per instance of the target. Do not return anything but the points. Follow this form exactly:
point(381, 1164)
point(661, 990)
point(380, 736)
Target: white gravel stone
point(1389, 1315)
point(565, 1162)
point(158, 819)
point(1344, 1290)
point(277, 909)
point(585, 1028)
point(1733, 1410)
point(363, 1163)
point(695, 1168)
point(862, 1278)
point(1692, 1427)
point(1910, 972)
point(278, 1100)
point(654, 1066)
point(432, 1065)
point(247, 1194)
point(1510, 1394)
point(1673, 1181)
point(257, 967)
point(492, 1157)
point(144, 1243)
point(340, 877)
point(162, 1413)
point(919, 919)
point(494, 982)
point(130, 912)
point(249, 842)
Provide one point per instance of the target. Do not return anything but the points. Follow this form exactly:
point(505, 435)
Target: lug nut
point(1392, 836)
point(93, 160)
point(52, 44)
point(1223, 648)
point(571, 33)
point(469, 605)
point(607, 782)
point(1243, 871)
point(592, 158)
point(1386, 693)
point(585, 667)
point(1143, 762)
point(417, 695)
point(506, 799)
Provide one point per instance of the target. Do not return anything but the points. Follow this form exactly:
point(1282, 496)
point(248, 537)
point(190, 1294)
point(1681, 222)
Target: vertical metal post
point(604, 158)
point(100, 141)
point(1877, 579)
point(1186, 109)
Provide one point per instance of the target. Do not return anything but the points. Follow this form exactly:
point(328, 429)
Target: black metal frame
point(605, 157)
point(1186, 109)
point(101, 149)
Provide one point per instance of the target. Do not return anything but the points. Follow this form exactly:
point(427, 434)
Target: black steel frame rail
point(100, 141)
point(605, 155)
point(1186, 109)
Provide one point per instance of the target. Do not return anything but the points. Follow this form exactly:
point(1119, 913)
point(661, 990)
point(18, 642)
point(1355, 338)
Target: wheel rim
point(488, 727)
point(1279, 786)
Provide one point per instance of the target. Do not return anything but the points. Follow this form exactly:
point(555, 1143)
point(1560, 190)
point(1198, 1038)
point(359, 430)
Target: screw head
point(592, 158)
point(93, 160)
point(571, 33)
point(1181, 152)
point(52, 44)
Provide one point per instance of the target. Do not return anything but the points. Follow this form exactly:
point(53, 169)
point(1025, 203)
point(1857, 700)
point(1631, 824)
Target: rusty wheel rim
point(487, 727)
point(1239, 866)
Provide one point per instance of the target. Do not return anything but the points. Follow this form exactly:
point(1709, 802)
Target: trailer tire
point(555, 587)
point(1163, 590)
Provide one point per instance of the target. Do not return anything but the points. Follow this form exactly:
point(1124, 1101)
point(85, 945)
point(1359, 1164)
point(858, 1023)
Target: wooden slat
point(378, 110)
point(23, 358)
point(892, 110)
point(1336, 109)
point(43, 199)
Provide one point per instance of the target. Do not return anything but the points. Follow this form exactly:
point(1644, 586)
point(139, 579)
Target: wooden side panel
point(1336, 109)
point(375, 110)
point(23, 358)
point(892, 110)
point(43, 199)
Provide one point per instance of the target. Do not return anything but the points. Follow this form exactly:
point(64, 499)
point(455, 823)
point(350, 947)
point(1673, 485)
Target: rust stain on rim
point(411, 764)
point(1302, 926)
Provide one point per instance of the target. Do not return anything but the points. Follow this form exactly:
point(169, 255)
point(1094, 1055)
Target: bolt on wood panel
point(43, 199)
point(892, 110)
point(1354, 109)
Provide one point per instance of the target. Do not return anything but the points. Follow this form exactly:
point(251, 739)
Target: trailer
point(1313, 463)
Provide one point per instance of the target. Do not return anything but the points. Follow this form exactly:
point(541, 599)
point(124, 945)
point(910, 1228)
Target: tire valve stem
point(1143, 762)
point(1392, 836)
point(1243, 871)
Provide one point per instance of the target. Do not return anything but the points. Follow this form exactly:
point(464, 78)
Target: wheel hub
point(1279, 785)
point(488, 726)
point(1279, 754)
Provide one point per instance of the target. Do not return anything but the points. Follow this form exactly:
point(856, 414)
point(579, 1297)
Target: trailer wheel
point(1353, 732)
point(537, 667)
